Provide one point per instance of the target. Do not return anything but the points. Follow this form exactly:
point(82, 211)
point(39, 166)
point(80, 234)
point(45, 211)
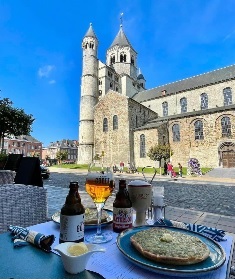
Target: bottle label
point(71, 227)
point(122, 218)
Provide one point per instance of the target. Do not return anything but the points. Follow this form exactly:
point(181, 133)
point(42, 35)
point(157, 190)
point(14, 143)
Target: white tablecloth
point(112, 263)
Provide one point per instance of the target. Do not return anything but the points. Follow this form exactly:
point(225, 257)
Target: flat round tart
point(91, 216)
point(170, 247)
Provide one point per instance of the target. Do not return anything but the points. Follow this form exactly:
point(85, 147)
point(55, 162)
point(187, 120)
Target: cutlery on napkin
point(213, 233)
point(24, 236)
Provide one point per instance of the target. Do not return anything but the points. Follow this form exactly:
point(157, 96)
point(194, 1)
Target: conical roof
point(90, 32)
point(121, 39)
point(140, 75)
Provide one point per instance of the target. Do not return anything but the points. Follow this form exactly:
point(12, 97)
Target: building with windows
point(65, 145)
point(26, 145)
point(123, 119)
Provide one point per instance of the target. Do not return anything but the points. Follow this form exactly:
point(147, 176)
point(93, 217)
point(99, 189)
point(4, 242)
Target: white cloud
point(52, 81)
point(229, 35)
point(45, 71)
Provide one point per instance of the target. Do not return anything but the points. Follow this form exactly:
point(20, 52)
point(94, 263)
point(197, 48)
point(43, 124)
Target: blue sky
point(41, 56)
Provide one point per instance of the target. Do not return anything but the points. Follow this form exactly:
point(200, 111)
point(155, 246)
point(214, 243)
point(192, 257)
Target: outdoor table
point(31, 262)
point(7, 176)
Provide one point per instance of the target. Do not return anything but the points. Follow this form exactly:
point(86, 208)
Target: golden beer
point(99, 188)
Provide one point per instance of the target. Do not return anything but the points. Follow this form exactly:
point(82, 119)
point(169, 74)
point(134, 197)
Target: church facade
point(121, 120)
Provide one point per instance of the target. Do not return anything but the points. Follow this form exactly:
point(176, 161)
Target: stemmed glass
point(99, 185)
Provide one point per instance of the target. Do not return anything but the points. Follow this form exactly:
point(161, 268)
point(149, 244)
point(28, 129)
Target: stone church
point(121, 119)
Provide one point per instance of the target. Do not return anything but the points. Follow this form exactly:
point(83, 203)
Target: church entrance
point(228, 159)
point(227, 154)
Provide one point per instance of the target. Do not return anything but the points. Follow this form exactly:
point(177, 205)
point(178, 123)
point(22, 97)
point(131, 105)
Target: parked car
point(45, 172)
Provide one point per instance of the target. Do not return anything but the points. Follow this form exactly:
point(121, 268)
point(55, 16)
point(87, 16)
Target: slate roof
point(216, 76)
point(121, 39)
point(23, 137)
point(160, 120)
point(140, 76)
point(90, 32)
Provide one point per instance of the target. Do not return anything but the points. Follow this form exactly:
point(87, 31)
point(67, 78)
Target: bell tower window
point(112, 59)
point(123, 57)
point(132, 60)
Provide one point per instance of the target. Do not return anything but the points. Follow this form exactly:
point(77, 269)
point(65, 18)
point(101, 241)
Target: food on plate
point(170, 247)
point(77, 249)
point(91, 216)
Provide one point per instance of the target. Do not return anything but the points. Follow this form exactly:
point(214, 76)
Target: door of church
point(228, 158)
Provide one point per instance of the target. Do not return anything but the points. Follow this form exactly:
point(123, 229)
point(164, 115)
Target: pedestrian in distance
point(121, 166)
point(165, 169)
point(169, 169)
point(180, 169)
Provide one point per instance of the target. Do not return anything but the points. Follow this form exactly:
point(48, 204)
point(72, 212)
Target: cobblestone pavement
point(211, 197)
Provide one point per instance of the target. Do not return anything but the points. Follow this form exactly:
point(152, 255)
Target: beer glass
point(140, 193)
point(99, 185)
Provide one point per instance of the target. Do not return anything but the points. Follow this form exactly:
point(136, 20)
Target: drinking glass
point(140, 193)
point(99, 185)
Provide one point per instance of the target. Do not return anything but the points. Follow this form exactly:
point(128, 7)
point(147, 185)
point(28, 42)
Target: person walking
point(165, 169)
point(169, 169)
point(121, 166)
point(180, 169)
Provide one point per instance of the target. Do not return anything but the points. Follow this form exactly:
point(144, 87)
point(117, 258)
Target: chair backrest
point(13, 162)
point(22, 205)
point(29, 172)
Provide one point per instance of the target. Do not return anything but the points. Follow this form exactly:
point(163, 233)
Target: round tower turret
point(89, 97)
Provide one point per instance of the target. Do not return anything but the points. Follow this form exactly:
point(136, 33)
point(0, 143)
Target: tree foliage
point(61, 155)
point(159, 151)
point(13, 121)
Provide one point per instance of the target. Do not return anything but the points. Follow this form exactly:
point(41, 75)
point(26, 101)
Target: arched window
point(183, 105)
point(100, 92)
point(100, 81)
point(115, 122)
point(132, 60)
point(204, 101)
point(111, 84)
point(117, 89)
point(198, 130)
point(105, 125)
point(176, 132)
point(227, 96)
point(123, 57)
point(226, 126)
point(142, 146)
point(112, 59)
point(165, 108)
point(136, 121)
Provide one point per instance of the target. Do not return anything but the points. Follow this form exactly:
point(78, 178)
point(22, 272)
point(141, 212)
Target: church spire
point(121, 38)
point(90, 32)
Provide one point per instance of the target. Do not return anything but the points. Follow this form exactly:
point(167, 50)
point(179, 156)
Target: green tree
point(159, 152)
point(13, 121)
point(61, 155)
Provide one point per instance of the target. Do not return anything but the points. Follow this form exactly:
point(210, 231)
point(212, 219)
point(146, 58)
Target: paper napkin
point(23, 236)
point(213, 233)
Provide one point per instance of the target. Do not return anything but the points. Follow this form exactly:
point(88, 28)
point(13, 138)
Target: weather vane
point(121, 15)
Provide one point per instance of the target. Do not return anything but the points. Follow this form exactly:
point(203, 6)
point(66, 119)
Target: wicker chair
point(22, 205)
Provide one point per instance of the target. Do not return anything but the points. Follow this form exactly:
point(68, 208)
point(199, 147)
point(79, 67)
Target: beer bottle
point(72, 217)
point(122, 209)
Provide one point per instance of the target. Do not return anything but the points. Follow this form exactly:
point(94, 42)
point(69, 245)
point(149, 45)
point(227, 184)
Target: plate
point(56, 218)
point(214, 261)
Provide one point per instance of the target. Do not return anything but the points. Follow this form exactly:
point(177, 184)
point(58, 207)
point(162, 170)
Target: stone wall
point(214, 92)
point(114, 143)
point(206, 150)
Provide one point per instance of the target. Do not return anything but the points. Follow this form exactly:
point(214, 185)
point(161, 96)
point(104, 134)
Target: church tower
point(122, 56)
point(89, 97)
